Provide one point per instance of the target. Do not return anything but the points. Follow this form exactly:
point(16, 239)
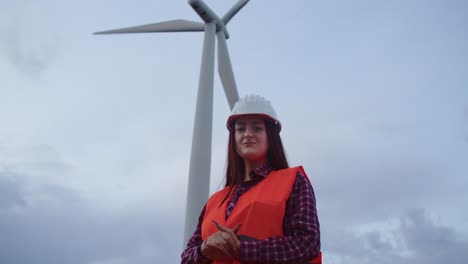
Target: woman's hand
point(222, 245)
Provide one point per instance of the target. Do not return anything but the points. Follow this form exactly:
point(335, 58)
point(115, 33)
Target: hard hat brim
point(233, 118)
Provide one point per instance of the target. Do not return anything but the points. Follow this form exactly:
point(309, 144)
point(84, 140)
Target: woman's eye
point(258, 128)
point(240, 129)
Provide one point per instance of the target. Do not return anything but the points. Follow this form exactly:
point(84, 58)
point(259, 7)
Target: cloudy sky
point(95, 131)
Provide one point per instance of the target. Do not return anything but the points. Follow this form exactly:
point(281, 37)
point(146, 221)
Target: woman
point(266, 213)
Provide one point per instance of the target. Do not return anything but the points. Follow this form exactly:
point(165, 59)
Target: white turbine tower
point(200, 157)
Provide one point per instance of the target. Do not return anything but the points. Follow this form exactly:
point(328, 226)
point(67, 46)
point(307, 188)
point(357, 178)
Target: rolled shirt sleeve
point(190, 255)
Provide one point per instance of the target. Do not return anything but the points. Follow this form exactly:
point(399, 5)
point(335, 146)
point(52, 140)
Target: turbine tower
point(200, 157)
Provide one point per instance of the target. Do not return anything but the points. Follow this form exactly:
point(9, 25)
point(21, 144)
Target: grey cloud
point(25, 44)
point(60, 226)
point(416, 240)
point(430, 242)
point(27, 56)
point(11, 193)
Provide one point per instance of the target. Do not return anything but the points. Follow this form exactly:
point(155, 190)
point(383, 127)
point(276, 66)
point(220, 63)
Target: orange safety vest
point(260, 211)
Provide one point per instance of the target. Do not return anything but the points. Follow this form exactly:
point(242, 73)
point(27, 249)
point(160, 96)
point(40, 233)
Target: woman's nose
point(248, 131)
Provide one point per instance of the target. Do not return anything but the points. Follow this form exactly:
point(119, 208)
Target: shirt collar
point(261, 172)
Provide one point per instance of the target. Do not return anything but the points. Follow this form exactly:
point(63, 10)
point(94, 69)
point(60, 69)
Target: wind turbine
point(200, 157)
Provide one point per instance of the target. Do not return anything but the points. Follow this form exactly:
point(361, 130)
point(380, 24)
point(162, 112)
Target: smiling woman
point(251, 141)
point(267, 211)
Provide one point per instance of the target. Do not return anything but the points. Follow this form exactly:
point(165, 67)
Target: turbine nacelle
point(208, 15)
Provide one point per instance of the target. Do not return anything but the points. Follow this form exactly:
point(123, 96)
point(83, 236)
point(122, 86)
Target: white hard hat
point(253, 105)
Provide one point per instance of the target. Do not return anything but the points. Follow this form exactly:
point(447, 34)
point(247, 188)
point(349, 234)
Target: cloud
point(11, 194)
point(24, 57)
point(415, 239)
point(23, 41)
point(430, 242)
point(57, 225)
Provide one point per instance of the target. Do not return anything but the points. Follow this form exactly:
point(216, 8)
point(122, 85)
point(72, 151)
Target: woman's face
point(251, 139)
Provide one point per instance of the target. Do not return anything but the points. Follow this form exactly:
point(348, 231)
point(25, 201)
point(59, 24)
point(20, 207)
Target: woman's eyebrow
point(257, 122)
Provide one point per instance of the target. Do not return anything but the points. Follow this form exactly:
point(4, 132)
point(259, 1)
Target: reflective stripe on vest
point(260, 211)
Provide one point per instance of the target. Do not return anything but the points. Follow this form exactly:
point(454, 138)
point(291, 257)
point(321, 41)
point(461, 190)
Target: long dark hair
point(235, 169)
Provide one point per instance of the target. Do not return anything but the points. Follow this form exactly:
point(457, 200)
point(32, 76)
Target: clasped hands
point(222, 245)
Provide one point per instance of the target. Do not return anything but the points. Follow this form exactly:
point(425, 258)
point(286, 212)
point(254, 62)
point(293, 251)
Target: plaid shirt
point(301, 240)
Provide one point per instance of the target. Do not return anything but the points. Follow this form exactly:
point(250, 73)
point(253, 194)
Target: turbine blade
point(178, 25)
point(233, 11)
point(225, 71)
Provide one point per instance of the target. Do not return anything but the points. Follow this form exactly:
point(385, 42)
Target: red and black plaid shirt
point(301, 240)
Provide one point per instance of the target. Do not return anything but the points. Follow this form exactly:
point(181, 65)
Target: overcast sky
point(95, 131)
